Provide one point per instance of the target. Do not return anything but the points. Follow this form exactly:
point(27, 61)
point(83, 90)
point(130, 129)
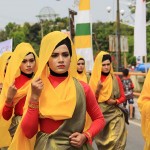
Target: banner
point(140, 29)
point(83, 34)
point(113, 43)
point(5, 46)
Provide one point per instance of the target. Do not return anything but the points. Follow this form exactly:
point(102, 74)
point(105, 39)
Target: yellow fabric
point(83, 41)
point(13, 71)
point(147, 146)
point(82, 76)
point(4, 135)
point(51, 109)
point(3, 61)
point(51, 104)
point(84, 5)
point(47, 46)
point(144, 107)
point(105, 92)
point(114, 134)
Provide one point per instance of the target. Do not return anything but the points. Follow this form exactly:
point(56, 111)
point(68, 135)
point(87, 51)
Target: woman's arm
point(122, 98)
point(8, 108)
point(29, 123)
point(7, 111)
point(93, 109)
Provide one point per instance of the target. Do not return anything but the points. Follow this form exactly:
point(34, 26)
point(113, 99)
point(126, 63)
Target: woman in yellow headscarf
point(58, 102)
point(109, 92)
point(20, 71)
point(82, 76)
point(81, 71)
point(3, 66)
point(144, 107)
point(4, 59)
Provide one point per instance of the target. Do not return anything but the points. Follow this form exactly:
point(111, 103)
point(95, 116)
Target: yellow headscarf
point(81, 76)
point(144, 107)
point(106, 91)
point(62, 100)
point(13, 71)
point(3, 61)
point(51, 104)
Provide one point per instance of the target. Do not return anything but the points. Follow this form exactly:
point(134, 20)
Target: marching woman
point(20, 70)
point(82, 76)
point(4, 59)
point(58, 102)
point(109, 92)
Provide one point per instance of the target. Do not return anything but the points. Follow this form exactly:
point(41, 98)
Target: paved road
point(134, 139)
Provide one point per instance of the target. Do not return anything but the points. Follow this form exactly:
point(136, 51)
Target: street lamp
point(122, 12)
point(108, 9)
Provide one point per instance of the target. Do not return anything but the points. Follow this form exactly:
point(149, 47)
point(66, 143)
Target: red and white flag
point(140, 29)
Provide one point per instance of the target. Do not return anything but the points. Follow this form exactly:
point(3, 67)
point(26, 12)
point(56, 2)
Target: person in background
point(144, 108)
point(81, 71)
point(82, 76)
point(57, 102)
point(20, 71)
point(4, 59)
point(109, 92)
point(128, 89)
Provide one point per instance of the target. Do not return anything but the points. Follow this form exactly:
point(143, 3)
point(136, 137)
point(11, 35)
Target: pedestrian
point(109, 92)
point(20, 71)
point(57, 102)
point(128, 89)
point(144, 108)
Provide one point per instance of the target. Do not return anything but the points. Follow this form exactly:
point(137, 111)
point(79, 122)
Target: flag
point(83, 33)
point(5, 46)
point(140, 29)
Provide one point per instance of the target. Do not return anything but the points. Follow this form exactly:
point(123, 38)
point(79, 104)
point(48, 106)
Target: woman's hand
point(12, 90)
point(111, 101)
point(36, 89)
point(77, 139)
point(98, 88)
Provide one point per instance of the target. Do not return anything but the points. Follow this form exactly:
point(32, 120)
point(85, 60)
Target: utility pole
point(118, 38)
point(71, 22)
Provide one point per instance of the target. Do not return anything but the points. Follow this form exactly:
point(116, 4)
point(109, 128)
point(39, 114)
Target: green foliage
point(32, 33)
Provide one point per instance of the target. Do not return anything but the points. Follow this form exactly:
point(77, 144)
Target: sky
point(20, 11)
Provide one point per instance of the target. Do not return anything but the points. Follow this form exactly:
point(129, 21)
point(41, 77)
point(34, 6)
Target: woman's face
point(80, 65)
point(106, 66)
point(28, 64)
point(60, 59)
